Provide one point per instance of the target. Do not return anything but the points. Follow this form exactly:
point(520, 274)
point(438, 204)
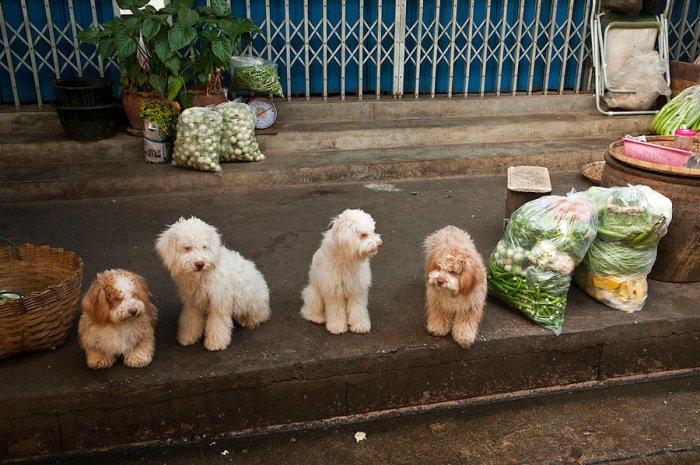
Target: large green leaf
point(240, 26)
point(150, 28)
point(163, 50)
point(223, 49)
point(187, 17)
point(175, 83)
point(126, 44)
point(158, 83)
point(89, 35)
point(221, 7)
point(186, 99)
point(133, 26)
point(173, 64)
point(106, 48)
point(180, 37)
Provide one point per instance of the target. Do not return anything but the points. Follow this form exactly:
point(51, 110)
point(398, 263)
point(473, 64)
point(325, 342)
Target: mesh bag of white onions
point(238, 141)
point(198, 141)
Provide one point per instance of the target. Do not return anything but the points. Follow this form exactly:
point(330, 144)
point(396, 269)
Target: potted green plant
point(172, 53)
point(212, 36)
point(160, 122)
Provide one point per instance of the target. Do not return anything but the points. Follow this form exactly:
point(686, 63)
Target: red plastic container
point(655, 153)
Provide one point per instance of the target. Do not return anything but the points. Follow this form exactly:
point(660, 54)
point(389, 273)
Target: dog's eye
point(187, 249)
point(204, 247)
point(364, 235)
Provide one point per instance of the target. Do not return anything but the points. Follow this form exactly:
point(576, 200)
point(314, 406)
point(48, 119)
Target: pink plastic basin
point(656, 153)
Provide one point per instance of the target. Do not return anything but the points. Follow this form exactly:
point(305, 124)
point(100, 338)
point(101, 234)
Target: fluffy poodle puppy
point(215, 284)
point(117, 320)
point(339, 277)
point(455, 285)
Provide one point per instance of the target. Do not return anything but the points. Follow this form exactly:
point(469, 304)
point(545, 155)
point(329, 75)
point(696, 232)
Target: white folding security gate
point(352, 48)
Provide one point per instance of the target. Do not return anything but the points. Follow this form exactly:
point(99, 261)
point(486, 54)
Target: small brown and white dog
point(455, 285)
point(117, 320)
point(340, 276)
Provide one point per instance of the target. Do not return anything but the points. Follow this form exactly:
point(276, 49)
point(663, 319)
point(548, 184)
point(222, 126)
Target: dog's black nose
point(199, 265)
point(133, 311)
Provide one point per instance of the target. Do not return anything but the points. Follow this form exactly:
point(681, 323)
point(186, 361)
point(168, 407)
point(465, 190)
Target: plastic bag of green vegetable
point(631, 221)
point(255, 74)
point(531, 267)
point(198, 141)
point(238, 141)
point(683, 109)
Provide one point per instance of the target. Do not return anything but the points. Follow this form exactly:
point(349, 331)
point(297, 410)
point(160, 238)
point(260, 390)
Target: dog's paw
point(463, 336)
point(313, 316)
point(337, 327)
point(361, 327)
point(187, 339)
point(99, 361)
point(215, 344)
point(138, 359)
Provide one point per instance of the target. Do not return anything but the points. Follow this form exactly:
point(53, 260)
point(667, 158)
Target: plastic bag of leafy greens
point(198, 140)
point(255, 74)
point(631, 221)
point(531, 267)
point(238, 141)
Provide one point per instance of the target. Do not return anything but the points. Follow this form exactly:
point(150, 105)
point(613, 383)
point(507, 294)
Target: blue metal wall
point(682, 39)
point(17, 35)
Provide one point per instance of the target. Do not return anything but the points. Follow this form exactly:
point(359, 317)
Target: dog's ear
point(94, 303)
point(430, 264)
point(471, 275)
point(166, 246)
point(141, 292)
point(342, 233)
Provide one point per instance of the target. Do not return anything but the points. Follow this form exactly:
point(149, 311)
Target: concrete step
point(300, 137)
point(32, 120)
point(314, 126)
point(109, 178)
point(372, 109)
point(651, 423)
point(289, 371)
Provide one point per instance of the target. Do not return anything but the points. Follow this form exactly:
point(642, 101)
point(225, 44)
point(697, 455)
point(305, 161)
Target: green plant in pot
point(160, 122)
point(173, 53)
point(131, 41)
point(210, 36)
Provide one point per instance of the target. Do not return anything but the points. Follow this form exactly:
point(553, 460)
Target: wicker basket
point(593, 171)
point(49, 279)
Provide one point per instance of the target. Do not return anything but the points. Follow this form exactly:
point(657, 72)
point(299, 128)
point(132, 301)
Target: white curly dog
point(215, 284)
point(339, 277)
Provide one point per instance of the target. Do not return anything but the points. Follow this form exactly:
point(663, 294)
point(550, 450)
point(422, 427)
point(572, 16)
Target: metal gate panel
point(40, 44)
point(352, 48)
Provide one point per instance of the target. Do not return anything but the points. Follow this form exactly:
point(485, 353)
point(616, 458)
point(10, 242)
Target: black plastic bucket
point(91, 123)
point(83, 92)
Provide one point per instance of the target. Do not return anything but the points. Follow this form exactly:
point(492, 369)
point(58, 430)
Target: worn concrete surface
point(644, 424)
point(323, 142)
point(289, 370)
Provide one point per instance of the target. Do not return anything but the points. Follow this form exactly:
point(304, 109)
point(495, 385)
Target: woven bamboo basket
point(49, 279)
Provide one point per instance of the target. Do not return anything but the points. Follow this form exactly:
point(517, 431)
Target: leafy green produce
point(255, 74)
point(531, 267)
point(683, 109)
point(632, 220)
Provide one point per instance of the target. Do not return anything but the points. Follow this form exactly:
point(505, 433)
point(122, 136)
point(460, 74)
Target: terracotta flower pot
point(131, 108)
point(202, 98)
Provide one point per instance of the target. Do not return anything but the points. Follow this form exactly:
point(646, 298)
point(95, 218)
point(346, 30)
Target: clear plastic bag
point(632, 220)
point(531, 267)
point(643, 72)
point(198, 141)
point(255, 74)
point(238, 142)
